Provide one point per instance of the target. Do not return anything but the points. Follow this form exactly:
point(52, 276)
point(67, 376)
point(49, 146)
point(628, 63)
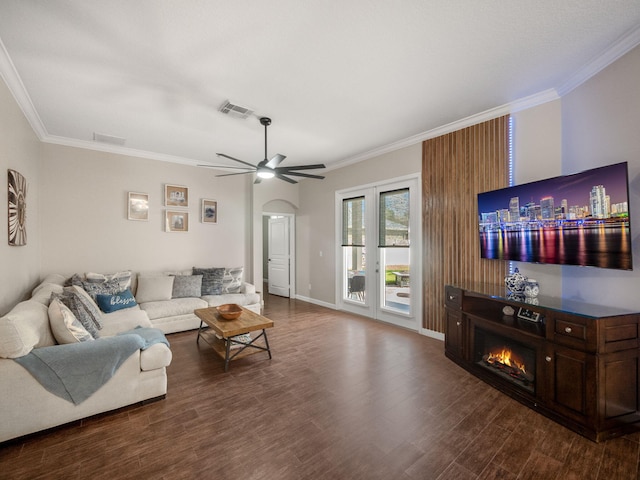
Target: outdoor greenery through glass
point(394, 218)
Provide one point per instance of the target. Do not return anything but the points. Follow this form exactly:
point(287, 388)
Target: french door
point(379, 239)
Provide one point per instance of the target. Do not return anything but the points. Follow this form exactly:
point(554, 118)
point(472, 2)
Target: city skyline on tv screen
point(574, 188)
point(580, 219)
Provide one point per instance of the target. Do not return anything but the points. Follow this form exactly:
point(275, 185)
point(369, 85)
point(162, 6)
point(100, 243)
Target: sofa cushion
point(187, 286)
point(65, 326)
point(42, 293)
point(111, 303)
point(211, 280)
point(52, 278)
point(24, 328)
point(237, 298)
point(154, 357)
point(232, 280)
point(154, 288)
point(123, 320)
point(172, 308)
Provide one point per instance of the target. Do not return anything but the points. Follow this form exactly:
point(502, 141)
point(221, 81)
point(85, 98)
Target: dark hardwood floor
point(343, 398)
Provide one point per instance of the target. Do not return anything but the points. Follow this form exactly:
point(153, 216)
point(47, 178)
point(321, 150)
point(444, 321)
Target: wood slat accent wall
point(455, 168)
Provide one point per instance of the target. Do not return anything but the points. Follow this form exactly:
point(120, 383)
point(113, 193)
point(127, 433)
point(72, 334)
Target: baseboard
point(432, 334)
point(423, 331)
point(316, 302)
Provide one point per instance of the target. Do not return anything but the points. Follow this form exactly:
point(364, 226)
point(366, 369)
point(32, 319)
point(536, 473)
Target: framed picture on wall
point(176, 196)
point(17, 186)
point(176, 221)
point(209, 211)
point(138, 206)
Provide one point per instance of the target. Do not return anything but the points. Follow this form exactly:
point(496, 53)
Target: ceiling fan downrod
point(266, 121)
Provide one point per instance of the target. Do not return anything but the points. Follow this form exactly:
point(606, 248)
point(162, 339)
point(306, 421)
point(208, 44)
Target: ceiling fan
point(269, 168)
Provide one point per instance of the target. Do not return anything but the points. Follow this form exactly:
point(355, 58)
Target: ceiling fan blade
point(235, 159)
point(275, 160)
point(282, 177)
point(229, 174)
point(303, 167)
point(222, 166)
point(306, 175)
point(257, 180)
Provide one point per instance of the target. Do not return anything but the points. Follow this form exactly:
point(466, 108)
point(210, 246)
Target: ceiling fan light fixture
point(265, 173)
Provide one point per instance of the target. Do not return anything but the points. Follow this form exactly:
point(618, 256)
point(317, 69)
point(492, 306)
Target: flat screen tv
point(580, 219)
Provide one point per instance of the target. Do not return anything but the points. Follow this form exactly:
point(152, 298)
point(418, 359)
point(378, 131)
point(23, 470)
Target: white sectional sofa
point(171, 309)
point(27, 407)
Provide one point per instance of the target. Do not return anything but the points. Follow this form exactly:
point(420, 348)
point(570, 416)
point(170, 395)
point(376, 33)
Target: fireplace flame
point(505, 357)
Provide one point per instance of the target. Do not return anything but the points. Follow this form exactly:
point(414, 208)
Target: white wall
point(315, 220)
point(600, 125)
point(84, 224)
point(20, 151)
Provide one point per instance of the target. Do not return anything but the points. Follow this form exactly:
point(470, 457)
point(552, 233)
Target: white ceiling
point(341, 80)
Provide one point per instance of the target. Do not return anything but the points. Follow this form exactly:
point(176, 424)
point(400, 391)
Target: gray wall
point(84, 214)
point(20, 151)
point(600, 126)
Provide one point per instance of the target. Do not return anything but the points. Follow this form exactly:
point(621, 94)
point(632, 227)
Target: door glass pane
point(394, 218)
point(396, 283)
point(394, 250)
point(353, 221)
point(353, 246)
point(354, 273)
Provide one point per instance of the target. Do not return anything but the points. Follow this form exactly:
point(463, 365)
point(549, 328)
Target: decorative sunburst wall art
point(17, 209)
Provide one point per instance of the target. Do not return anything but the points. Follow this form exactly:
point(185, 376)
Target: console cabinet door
point(454, 334)
point(619, 397)
point(571, 383)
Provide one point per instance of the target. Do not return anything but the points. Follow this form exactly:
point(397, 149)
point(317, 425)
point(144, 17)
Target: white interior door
point(279, 256)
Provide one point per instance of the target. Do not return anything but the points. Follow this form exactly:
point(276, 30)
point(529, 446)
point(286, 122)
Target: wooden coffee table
point(247, 322)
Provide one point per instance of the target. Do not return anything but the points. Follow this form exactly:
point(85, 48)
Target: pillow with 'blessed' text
point(110, 303)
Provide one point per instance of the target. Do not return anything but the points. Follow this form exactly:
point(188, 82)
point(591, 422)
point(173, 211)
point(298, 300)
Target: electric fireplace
point(508, 359)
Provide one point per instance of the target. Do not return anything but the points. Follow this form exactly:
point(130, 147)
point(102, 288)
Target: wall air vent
point(234, 110)
point(102, 138)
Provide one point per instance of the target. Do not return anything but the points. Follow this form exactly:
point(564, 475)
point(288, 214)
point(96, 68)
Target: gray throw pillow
point(211, 280)
point(110, 287)
point(187, 286)
point(85, 313)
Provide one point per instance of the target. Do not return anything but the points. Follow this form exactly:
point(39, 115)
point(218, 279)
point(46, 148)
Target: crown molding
point(108, 148)
point(13, 81)
point(623, 45)
point(512, 107)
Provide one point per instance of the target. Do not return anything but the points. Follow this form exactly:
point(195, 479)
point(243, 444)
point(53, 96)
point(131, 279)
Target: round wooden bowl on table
point(229, 311)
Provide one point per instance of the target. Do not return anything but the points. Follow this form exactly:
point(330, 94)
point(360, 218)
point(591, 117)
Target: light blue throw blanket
point(75, 371)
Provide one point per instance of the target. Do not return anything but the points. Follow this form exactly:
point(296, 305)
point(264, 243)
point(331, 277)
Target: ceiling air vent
point(102, 138)
point(233, 110)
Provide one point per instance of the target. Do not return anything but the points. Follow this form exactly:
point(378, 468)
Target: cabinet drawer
point(453, 297)
point(571, 330)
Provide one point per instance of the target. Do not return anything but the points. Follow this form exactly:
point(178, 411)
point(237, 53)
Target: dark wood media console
point(583, 360)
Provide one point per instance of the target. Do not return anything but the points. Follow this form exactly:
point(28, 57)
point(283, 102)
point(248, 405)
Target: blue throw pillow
point(111, 303)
